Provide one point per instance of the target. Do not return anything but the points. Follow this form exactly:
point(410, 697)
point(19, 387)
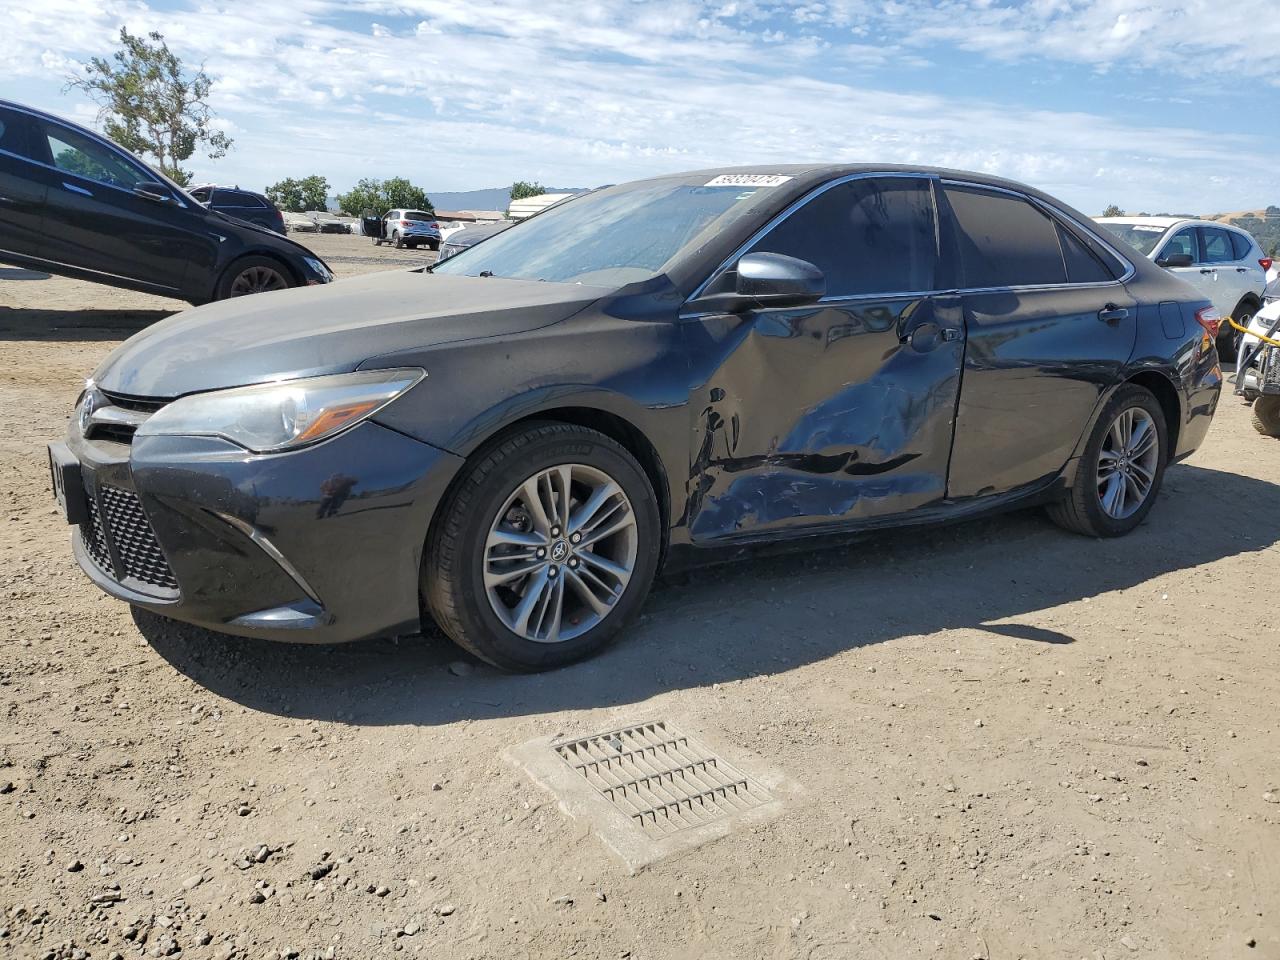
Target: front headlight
point(319, 268)
point(284, 415)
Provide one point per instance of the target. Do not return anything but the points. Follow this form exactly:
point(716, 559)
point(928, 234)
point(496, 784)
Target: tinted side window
point(78, 154)
point(1082, 265)
point(1002, 241)
point(1239, 244)
point(202, 194)
point(866, 236)
point(1217, 245)
point(1184, 241)
point(13, 134)
point(242, 199)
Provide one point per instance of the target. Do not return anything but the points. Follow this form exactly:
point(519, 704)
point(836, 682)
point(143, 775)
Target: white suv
point(1222, 262)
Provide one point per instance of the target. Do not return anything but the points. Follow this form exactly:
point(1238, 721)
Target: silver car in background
point(409, 228)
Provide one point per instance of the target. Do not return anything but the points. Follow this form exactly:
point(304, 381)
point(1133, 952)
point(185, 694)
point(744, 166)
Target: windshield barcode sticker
point(748, 180)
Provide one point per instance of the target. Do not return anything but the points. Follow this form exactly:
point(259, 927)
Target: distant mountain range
point(493, 198)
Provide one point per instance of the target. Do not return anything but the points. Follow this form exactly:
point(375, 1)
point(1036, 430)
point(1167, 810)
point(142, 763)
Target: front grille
point(113, 432)
point(95, 540)
point(122, 430)
point(120, 521)
point(141, 404)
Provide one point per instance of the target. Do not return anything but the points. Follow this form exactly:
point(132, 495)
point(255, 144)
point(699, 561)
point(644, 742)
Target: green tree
point(309, 193)
point(1113, 211)
point(522, 189)
point(383, 195)
point(150, 105)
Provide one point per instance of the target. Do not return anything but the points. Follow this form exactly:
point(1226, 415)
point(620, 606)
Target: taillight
point(1210, 319)
point(434, 226)
point(1265, 263)
point(404, 223)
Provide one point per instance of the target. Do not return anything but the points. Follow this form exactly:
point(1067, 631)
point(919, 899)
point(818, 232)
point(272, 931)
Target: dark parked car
point(241, 204)
point(74, 203)
point(655, 373)
point(470, 236)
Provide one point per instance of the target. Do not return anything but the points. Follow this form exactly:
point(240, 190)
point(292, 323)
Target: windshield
point(613, 236)
point(1143, 237)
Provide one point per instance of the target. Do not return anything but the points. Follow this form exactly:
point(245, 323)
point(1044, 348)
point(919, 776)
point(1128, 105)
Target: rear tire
point(1266, 416)
point(1104, 501)
point(484, 580)
point(397, 241)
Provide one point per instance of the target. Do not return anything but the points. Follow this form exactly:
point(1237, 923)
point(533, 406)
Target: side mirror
point(1175, 260)
point(768, 280)
point(152, 191)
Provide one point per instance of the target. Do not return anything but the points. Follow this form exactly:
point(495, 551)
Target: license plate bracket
point(68, 484)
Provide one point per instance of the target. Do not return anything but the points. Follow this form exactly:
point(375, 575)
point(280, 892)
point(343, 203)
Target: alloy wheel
point(560, 553)
point(1127, 463)
point(258, 279)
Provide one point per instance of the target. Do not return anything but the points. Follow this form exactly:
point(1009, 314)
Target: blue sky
point(1157, 106)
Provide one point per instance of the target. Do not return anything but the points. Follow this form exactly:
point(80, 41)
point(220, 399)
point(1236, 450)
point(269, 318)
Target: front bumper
point(322, 544)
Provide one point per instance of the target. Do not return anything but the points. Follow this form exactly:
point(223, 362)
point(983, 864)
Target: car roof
point(1172, 222)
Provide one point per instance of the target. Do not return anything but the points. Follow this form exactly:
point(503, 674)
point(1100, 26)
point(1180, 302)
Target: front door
point(841, 412)
point(1049, 329)
point(96, 222)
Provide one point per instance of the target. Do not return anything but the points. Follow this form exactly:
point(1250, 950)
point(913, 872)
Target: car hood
point(309, 331)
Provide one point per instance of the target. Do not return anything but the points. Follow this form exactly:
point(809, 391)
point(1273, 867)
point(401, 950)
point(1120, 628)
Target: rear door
point(24, 185)
point(832, 413)
point(1231, 277)
point(1049, 330)
point(237, 203)
point(94, 220)
point(1248, 264)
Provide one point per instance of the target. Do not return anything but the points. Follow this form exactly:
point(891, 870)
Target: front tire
point(1119, 475)
point(250, 275)
point(1266, 416)
point(544, 550)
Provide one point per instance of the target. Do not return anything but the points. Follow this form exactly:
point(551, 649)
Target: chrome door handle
point(75, 189)
point(1112, 314)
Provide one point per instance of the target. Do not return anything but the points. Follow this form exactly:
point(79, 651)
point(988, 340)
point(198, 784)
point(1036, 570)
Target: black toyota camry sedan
point(76, 204)
point(515, 441)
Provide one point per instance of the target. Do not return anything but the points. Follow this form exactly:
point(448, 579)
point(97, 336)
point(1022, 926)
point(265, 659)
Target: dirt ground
point(1012, 742)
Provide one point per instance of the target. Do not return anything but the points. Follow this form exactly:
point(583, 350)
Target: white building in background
point(527, 207)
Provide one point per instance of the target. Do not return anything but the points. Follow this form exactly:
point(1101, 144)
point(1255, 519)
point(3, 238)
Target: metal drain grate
point(662, 779)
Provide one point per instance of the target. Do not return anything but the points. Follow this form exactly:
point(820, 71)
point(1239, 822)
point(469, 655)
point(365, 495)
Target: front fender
point(635, 372)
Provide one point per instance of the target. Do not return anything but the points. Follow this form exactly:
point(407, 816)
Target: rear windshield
point(1143, 237)
point(417, 215)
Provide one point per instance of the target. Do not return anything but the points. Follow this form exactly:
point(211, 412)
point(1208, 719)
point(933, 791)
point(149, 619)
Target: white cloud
point(459, 95)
